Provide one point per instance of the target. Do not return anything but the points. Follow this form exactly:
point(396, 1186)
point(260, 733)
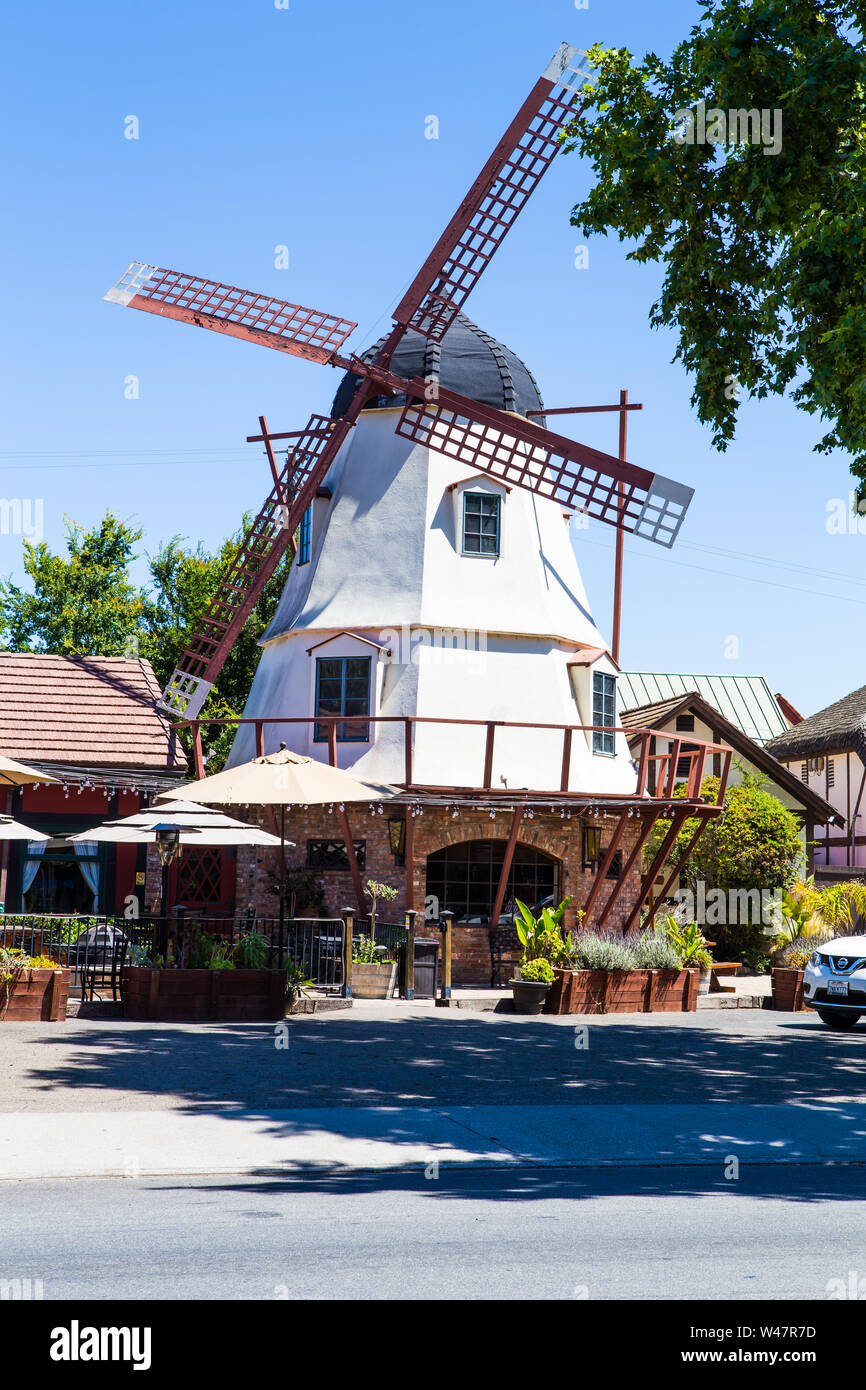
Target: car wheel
point(836, 1018)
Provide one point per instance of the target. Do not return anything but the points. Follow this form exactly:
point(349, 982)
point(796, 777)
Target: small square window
point(481, 524)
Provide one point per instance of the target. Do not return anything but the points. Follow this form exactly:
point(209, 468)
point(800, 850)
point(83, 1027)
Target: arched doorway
point(464, 878)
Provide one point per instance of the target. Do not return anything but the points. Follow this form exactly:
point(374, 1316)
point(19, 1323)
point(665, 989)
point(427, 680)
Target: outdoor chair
point(505, 950)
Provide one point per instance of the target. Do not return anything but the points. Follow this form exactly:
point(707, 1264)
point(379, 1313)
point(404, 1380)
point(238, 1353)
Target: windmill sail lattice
point(506, 446)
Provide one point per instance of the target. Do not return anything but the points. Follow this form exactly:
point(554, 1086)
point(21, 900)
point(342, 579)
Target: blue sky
point(305, 127)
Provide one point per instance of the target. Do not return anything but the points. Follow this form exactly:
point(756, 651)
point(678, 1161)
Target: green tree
point(754, 843)
point(183, 582)
point(82, 603)
point(764, 254)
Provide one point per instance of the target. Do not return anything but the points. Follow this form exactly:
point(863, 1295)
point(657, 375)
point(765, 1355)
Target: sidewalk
point(293, 1142)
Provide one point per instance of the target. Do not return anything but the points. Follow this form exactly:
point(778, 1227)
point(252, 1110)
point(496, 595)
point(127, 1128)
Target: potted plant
point(807, 920)
point(531, 984)
point(32, 988)
point(213, 979)
point(374, 972)
point(298, 985)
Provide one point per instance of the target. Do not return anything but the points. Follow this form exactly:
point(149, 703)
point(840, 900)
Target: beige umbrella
point(13, 830)
point(14, 774)
point(173, 826)
point(282, 779)
point(198, 825)
point(288, 779)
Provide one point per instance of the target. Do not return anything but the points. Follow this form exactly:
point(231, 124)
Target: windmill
point(508, 447)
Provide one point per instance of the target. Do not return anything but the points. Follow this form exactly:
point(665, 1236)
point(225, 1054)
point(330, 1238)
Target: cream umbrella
point(13, 830)
point(288, 779)
point(171, 826)
point(14, 774)
point(201, 825)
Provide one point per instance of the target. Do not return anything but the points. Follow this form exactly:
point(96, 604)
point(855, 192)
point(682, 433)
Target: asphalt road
point(667, 1233)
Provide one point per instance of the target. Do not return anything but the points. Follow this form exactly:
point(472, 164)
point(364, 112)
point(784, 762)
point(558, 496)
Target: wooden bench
point(729, 967)
point(505, 949)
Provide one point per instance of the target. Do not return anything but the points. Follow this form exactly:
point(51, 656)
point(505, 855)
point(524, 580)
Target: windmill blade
point(257, 557)
point(256, 317)
point(525, 455)
point(490, 207)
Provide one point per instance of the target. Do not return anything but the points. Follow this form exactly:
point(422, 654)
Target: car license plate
point(837, 986)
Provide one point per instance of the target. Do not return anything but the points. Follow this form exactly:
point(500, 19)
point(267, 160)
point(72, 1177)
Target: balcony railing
point(657, 773)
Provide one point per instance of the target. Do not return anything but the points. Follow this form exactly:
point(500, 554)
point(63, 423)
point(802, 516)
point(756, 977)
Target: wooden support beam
point(332, 744)
point(197, 753)
point(566, 760)
point(678, 819)
point(619, 884)
point(488, 756)
point(675, 872)
point(260, 739)
point(673, 759)
point(605, 864)
point(353, 862)
point(407, 751)
point(409, 857)
point(506, 867)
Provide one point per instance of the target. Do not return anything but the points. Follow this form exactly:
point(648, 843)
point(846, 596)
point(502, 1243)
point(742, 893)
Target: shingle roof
point(841, 725)
point(746, 701)
point(93, 710)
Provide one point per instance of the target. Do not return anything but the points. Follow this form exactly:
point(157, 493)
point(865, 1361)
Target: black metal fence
point(95, 949)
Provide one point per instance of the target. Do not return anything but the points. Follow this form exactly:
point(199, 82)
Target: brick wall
point(435, 828)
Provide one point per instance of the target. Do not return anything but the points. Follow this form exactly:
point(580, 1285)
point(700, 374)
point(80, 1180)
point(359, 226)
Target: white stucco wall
point(386, 565)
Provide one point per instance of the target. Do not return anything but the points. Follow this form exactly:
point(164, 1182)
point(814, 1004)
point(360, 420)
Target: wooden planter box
point(36, 995)
point(374, 981)
point(787, 989)
point(190, 996)
point(623, 991)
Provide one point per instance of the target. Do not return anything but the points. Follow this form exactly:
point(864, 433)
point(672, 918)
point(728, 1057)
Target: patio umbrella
point(172, 826)
point(13, 830)
point(14, 774)
point(288, 779)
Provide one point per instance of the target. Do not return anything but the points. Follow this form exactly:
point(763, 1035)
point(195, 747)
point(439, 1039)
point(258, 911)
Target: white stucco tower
point(421, 588)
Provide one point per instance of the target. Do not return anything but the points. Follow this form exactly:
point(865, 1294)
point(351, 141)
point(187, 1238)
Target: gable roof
point(96, 711)
point(653, 716)
point(745, 701)
point(840, 726)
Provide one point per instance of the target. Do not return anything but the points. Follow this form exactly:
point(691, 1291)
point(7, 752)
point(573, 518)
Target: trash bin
point(426, 967)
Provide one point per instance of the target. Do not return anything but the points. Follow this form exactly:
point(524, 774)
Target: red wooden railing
point(656, 772)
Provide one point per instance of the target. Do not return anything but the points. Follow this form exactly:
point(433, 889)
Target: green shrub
point(744, 942)
point(653, 952)
point(595, 952)
point(538, 971)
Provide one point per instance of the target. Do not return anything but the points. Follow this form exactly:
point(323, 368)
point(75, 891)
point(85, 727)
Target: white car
point(834, 984)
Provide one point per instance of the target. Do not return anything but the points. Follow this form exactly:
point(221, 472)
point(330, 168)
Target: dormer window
point(603, 712)
point(481, 524)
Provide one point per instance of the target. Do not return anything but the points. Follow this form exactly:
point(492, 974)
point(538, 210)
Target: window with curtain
point(59, 877)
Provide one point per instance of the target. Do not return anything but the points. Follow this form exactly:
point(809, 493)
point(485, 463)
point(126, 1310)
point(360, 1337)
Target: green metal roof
point(746, 701)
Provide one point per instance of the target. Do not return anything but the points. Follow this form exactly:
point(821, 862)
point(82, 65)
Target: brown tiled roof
point(94, 710)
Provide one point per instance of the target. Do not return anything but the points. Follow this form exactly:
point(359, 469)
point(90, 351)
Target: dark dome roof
point(467, 360)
